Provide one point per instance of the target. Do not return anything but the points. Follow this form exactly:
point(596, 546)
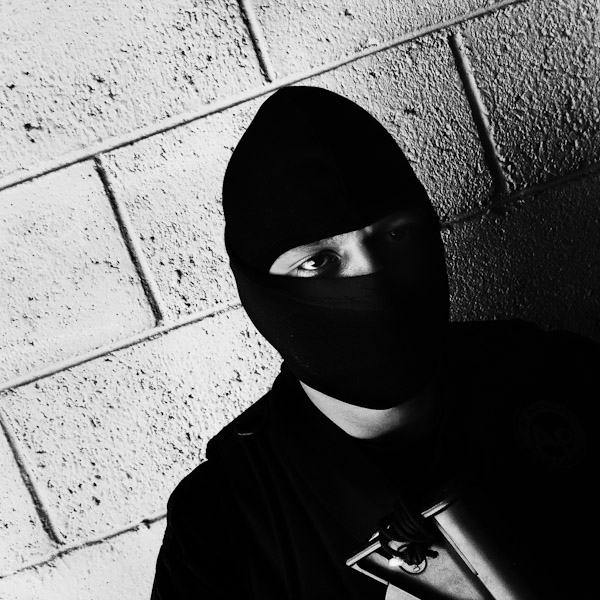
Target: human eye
point(400, 233)
point(317, 264)
point(397, 233)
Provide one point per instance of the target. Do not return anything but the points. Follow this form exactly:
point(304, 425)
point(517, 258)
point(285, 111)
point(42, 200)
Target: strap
point(394, 593)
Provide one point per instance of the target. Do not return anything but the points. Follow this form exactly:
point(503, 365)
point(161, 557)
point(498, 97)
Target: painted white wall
point(122, 347)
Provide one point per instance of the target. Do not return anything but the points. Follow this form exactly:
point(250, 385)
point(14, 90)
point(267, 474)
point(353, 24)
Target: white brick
point(120, 567)
point(306, 33)
point(119, 432)
point(22, 538)
point(171, 186)
point(75, 73)
point(538, 67)
point(68, 281)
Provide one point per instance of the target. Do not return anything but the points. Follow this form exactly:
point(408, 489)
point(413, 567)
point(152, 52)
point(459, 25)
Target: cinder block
point(171, 186)
point(415, 92)
point(118, 433)
point(68, 281)
point(538, 262)
point(120, 567)
point(306, 33)
point(538, 67)
point(22, 538)
point(171, 183)
point(75, 73)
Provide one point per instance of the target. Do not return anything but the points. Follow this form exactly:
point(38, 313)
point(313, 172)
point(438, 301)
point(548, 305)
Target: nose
point(360, 259)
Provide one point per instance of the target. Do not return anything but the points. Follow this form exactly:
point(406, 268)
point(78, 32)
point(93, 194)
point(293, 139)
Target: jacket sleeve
point(194, 561)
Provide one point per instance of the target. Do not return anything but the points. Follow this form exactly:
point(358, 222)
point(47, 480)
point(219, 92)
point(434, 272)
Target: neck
point(411, 419)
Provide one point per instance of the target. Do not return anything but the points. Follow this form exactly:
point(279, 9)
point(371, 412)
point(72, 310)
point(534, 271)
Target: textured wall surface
point(78, 72)
point(122, 345)
point(68, 280)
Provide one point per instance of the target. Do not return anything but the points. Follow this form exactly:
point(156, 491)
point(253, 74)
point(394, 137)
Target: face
point(360, 252)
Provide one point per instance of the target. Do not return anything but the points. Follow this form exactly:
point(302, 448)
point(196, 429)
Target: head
point(336, 248)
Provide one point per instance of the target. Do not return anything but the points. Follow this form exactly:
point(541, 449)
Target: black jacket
point(286, 497)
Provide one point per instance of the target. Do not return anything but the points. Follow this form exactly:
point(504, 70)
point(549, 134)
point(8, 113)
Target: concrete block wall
point(123, 348)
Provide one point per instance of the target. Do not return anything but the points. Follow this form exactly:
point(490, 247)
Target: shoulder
point(195, 503)
point(499, 334)
point(528, 388)
point(201, 513)
point(226, 447)
point(197, 489)
point(192, 560)
point(520, 343)
point(250, 422)
point(515, 329)
point(226, 454)
point(522, 359)
point(254, 423)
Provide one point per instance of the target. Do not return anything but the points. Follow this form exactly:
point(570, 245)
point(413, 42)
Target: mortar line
point(68, 549)
point(258, 39)
point(133, 245)
point(116, 346)
point(479, 113)
point(463, 217)
point(116, 142)
point(36, 494)
point(545, 185)
point(515, 198)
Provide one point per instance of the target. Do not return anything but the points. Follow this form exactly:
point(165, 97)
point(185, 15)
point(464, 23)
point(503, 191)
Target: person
point(383, 408)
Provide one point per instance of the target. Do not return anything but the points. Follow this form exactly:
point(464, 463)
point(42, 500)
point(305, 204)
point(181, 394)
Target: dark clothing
point(286, 496)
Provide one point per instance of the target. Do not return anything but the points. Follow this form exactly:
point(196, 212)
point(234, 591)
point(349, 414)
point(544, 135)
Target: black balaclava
point(312, 165)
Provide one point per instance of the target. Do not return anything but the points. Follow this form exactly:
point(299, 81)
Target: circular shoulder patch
point(551, 433)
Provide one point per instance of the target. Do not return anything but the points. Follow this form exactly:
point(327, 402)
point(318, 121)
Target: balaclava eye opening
point(312, 165)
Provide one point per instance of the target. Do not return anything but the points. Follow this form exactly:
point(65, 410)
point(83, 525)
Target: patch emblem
point(551, 433)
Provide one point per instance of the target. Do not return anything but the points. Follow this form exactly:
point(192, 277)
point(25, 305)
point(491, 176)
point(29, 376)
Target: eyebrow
point(317, 243)
point(402, 216)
